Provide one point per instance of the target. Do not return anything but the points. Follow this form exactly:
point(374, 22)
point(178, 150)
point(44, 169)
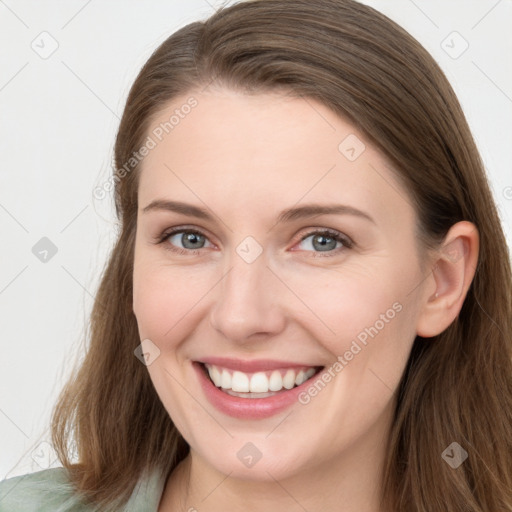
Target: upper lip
point(255, 365)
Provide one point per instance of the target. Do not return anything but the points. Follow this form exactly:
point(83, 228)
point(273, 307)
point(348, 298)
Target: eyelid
point(347, 242)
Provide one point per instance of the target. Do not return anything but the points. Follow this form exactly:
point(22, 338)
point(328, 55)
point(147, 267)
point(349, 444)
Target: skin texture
point(245, 159)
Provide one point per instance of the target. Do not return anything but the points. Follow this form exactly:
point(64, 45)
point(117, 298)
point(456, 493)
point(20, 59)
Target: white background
point(58, 119)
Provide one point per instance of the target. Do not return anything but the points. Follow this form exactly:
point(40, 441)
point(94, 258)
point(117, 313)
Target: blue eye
point(323, 241)
point(327, 241)
point(191, 239)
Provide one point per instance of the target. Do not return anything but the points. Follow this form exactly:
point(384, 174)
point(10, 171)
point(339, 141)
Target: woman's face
point(265, 289)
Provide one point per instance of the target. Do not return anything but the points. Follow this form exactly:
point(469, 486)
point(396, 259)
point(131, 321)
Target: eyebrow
point(288, 215)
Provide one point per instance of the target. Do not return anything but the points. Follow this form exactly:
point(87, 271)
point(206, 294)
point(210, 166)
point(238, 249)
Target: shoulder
point(43, 491)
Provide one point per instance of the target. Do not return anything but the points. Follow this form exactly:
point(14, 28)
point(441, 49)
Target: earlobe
point(453, 269)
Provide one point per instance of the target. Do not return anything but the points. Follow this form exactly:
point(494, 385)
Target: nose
point(247, 303)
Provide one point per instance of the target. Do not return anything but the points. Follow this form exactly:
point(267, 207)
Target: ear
point(453, 269)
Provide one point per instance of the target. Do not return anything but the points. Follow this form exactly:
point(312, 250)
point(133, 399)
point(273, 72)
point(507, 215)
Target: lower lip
point(247, 408)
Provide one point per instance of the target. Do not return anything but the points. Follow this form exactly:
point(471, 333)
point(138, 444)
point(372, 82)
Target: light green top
point(49, 490)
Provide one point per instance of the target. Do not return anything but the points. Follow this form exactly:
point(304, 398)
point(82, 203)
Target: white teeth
point(225, 382)
point(276, 381)
point(289, 379)
point(216, 376)
point(240, 382)
point(309, 373)
point(259, 382)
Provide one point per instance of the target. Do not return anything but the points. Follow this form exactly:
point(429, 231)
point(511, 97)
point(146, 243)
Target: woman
point(309, 303)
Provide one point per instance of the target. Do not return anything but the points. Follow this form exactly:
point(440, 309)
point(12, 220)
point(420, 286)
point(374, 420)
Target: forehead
point(259, 151)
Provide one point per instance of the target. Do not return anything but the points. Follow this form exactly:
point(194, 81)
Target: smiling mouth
point(260, 384)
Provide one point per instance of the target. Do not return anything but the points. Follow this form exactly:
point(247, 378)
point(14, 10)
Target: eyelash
point(330, 233)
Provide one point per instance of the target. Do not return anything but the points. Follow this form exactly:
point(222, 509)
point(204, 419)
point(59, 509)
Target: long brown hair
point(456, 387)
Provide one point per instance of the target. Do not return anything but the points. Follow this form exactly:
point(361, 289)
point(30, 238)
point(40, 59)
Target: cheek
point(365, 318)
point(165, 301)
point(345, 304)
